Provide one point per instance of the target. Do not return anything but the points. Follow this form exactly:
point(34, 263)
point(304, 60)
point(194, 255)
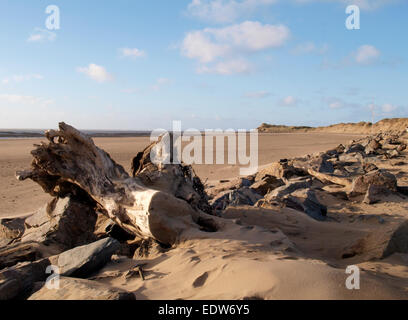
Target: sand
point(385, 125)
point(22, 198)
point(259, 253)
point(249, 261)
point(278, 253)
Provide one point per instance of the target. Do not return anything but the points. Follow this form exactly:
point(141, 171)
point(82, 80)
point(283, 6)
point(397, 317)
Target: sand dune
point(385, 125)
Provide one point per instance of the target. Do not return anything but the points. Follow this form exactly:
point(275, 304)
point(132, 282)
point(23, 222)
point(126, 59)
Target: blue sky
point(136, 65)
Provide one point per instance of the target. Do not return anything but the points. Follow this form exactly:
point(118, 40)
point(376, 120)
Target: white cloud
point(42, 35)
point(337, 103)
point(369, 4)
point(363, 4)
point(95, 72)
point(208, 44)
point(364, 55)
point(197, 45)
point(252, 35)
point(229, 67)
point(224, 11)
point(372, 107)
point(257, 94)
point(227, 11)
point(24, 100)
point(161, 82)
point(132, 52)
point(21, 78)
point(310, 47)
point(230, 43)
point(388, 108)
point(367, 54)
point(289, 101)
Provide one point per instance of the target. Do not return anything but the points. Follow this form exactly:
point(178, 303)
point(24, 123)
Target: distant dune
point(395, 125)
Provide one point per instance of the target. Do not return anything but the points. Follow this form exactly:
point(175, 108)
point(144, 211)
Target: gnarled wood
point(325, 178)
point(160, 203)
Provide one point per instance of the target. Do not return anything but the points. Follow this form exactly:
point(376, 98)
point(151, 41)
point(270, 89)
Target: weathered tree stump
point(160, 202)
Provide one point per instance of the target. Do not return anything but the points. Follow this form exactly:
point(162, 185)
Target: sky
point(140, 65)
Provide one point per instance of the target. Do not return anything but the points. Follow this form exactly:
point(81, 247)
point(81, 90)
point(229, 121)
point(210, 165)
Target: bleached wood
point(70, 160)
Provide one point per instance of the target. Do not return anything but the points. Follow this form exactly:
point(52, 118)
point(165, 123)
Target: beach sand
point(22, 198)
point(276, 253)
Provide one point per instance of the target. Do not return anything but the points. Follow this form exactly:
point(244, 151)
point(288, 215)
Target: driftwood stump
point(159, 202)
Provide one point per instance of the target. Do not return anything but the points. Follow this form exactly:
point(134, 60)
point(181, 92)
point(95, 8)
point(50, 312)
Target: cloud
point(289, 101)
point(388, 108)
point(161, 82)
point(208, 44)
point(228, 11)
point(224, 11)
point(369, 4)
point(230, 43)
point(366, 54)
point(338, 103)
point(24, 100)
point(252, 35)
point(42, 35)
point(133, 53)
point(95, 72)
point(229, 67)
point(257, 94)
point(362, 4)
point(310, 48)
point(197, 45)
point(21, 78)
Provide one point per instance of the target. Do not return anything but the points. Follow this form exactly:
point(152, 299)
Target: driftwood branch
point(328, 178)
point(158, 203)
